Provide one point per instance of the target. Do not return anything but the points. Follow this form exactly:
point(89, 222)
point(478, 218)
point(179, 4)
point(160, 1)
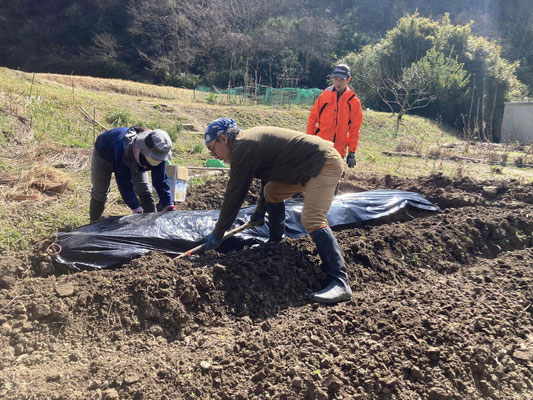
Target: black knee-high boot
point(276, 220)
point(339, 288)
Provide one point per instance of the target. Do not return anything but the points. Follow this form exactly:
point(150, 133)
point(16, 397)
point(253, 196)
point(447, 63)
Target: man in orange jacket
point(337, 116)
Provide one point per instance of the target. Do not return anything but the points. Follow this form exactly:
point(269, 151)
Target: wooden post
point(72, 83)
point(94, 127)
point(493, 108)
point(31, 87)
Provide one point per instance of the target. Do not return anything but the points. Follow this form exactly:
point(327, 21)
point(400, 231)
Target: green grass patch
point(119, 118)
point(51, 109)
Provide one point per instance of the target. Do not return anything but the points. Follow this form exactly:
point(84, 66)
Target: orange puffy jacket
point(337, 121)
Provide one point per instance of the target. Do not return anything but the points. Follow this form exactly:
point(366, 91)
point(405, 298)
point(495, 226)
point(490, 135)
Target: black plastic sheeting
point(116, 240)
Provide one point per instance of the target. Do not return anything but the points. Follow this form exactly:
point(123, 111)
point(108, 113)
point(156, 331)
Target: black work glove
point(350, 160)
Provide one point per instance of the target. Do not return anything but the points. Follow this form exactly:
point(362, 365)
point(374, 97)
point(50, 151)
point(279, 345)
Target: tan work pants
point(319, 192)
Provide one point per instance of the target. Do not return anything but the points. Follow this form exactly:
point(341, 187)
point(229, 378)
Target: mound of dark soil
point(442, 310)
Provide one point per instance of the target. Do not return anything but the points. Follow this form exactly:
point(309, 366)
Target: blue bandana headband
point(217, 128)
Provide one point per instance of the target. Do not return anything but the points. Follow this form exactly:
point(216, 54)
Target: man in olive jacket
point(287, 162)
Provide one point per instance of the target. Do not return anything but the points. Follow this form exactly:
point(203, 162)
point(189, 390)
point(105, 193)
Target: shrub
point(179, 127)
point(119, 118)
point(173, 135)
point(212, 98)
point(197, 148)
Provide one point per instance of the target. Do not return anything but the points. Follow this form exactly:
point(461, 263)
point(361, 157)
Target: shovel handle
point(190, 252)
point(228, 234)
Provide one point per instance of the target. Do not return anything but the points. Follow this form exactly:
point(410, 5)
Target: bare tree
point(413, 87)
point(163, 32)
point(105, 46)
point(408, 91)
point(316, 39)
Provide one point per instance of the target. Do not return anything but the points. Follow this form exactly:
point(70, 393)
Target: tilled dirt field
point(442, 310)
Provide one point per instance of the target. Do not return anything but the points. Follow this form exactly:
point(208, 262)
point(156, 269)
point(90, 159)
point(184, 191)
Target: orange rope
point(54, 249)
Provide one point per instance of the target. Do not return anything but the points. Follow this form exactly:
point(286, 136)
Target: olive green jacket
point(269, 154)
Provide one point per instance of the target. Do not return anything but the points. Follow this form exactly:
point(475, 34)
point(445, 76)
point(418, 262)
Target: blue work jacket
point(114, 146)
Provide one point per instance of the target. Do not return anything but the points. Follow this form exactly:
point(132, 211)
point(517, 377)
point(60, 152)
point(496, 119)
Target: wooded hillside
point(457, 62)
point(277, 42)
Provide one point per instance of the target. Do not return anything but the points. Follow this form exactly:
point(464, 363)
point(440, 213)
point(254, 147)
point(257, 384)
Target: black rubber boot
point(147, 203)
point(96, 209)
point(339, 288)
point(276, 220)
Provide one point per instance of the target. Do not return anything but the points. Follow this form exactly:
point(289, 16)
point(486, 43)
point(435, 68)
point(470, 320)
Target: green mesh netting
point(266, 95)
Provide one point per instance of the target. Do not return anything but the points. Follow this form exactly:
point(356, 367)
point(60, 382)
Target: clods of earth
point(442, 310)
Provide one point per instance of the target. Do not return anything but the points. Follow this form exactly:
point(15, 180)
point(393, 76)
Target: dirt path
point(442, 310)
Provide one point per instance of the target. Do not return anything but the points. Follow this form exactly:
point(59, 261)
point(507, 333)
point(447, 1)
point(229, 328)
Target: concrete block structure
point(517, 125)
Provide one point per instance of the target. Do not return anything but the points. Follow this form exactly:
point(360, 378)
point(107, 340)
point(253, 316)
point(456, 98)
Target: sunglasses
point(212, 149)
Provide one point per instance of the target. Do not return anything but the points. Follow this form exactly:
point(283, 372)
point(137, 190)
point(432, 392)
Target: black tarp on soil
point(116, 240)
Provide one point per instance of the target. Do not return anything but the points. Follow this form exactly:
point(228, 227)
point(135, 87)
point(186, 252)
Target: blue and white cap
point(217, 128)
point(341, 71)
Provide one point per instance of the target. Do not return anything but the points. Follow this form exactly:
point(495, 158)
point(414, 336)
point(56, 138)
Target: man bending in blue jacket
point(130, 153)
